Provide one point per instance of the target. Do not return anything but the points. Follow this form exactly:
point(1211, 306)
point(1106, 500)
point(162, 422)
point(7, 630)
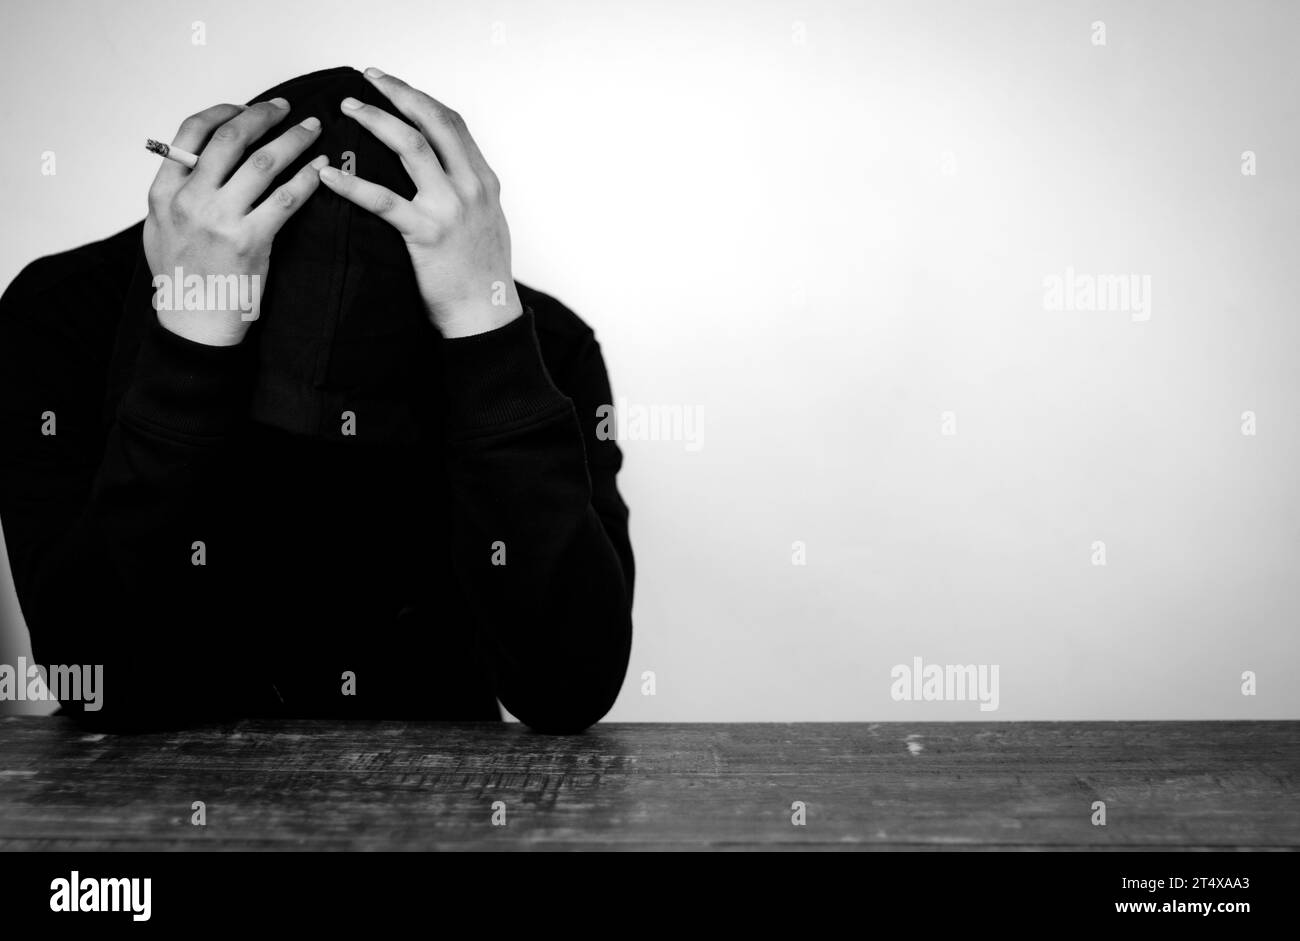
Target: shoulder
point(552, 318)
point(568, 343)
point(81, 281)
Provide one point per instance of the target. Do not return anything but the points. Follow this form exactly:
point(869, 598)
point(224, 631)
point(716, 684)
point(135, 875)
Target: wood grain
point(422, 786)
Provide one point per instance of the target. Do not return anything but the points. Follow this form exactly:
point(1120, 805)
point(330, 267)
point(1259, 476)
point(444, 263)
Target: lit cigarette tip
point(185, 158)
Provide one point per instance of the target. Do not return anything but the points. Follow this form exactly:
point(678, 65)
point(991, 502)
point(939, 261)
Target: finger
point(192, 135)
point(286, 199)
point(380, 200)
point(443, 126)
point(405, 141)
point(230, 140)
point(264, 164)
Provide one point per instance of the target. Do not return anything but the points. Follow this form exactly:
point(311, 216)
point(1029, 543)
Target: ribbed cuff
point(187, 388)
point(498, 378)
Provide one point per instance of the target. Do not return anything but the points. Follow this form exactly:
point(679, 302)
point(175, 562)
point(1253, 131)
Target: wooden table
point(402, 785)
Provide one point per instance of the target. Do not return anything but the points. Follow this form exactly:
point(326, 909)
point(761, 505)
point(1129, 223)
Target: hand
point(204, 228)
point(454, 228)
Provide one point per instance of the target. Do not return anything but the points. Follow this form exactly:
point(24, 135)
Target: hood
point(342, 327)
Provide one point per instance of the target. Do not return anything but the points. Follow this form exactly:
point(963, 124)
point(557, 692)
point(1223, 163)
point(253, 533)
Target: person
point(377, 491)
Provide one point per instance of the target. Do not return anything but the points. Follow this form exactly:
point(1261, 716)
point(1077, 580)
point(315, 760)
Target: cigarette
point(171, 153)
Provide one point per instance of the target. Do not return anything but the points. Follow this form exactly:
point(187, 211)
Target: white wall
point(764, 229)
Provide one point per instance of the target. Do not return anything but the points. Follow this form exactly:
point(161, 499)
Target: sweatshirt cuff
point(187, 388)
point(498, 378)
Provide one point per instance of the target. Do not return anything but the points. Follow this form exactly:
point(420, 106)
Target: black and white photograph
point(661, 429)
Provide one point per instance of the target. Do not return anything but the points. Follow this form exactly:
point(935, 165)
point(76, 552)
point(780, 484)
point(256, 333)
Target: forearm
point(100, 527)
point(541, 550)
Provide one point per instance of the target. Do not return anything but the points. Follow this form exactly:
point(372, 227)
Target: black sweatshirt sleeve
point(542, 548)
point(99, 520)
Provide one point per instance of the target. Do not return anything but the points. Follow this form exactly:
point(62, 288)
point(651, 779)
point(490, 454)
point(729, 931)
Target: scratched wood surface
point(409, 786)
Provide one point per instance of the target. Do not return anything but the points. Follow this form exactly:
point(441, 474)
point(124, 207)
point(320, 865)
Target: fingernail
point(373, 72)
point(320, 162)
point(351, 104)
point(280, 103)
point(329, 174)
point(311, 124)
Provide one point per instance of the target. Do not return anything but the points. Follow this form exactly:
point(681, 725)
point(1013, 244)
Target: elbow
point(548, 721)
point(567, 709)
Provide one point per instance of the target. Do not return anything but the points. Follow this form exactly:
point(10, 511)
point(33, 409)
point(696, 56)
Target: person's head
point(341, 327)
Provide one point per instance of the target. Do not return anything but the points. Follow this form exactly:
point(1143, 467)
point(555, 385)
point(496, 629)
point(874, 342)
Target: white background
point(762, 228)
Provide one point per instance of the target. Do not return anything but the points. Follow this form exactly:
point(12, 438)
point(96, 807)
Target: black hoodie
point(466, 543)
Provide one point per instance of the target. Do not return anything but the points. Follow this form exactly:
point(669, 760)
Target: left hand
point(454, 228)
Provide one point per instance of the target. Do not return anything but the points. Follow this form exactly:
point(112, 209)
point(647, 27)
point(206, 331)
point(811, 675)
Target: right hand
point(200, 222)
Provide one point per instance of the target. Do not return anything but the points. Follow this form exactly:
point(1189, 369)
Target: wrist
point(471, 320)
point(497, 378)
point(205, 327)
